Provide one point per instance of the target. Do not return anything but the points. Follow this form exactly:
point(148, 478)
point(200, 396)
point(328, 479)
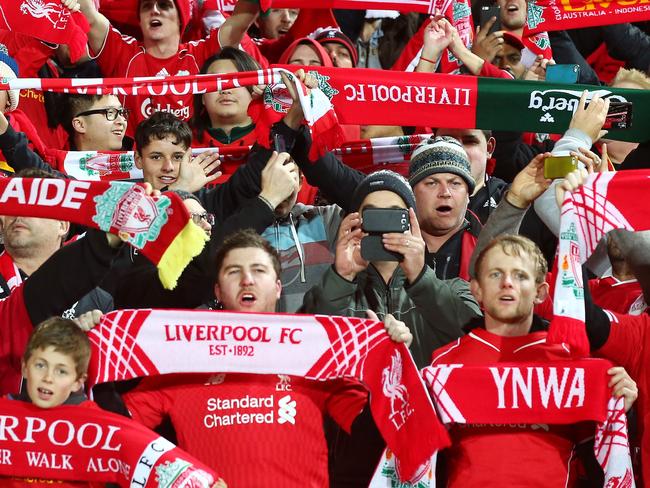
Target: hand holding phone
point(556, 167)
point(487, 12)
point(379, 221)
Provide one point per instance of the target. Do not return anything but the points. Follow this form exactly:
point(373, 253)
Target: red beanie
point(121, 11)
point(185, 8)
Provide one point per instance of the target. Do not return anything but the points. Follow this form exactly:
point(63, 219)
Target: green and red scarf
point(133, 343)
point(86, 443)
point(160, 227)
point(420, 99)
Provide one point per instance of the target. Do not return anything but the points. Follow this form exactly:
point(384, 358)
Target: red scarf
point(78, 443)
point(51, 21)
point(459, 14)
point(134, 343)
point(160, 227)
point(9, 272)
point(552, 15)
point(421, 99)
point(422, 6)
point(551, 392)
point(606, 201)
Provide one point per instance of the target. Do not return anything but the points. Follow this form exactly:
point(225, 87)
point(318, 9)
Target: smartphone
point(378, 221)
point(384, 220)
point(563, 73)
point(559, 166)
point(279, 144)
point(619, 116)
point(487, 12)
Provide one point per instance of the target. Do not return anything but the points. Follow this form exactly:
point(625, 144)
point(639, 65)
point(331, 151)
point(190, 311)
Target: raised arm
point(99, 24)
point(233, 29)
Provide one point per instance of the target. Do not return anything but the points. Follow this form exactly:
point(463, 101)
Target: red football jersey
point(618, 296)
point(255, 430)
point(123, 56)
point(537, 455)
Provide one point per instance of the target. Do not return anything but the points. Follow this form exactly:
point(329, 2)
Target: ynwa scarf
point(552, 15)
point(159, 227)
point(422, 6)
point(51, 21)
point(606, 201)
point(80, 443)
point(552, 392)
point(420, 99)
point(132, 343)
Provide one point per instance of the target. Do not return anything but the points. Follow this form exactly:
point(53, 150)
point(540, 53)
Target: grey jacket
point(306, 240)
point(435, 310)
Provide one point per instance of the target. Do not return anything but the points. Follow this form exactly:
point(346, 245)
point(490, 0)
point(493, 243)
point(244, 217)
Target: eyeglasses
point(198, 217)
point(110, 113)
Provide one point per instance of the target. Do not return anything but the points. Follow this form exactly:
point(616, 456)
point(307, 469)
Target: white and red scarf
point(9, 272)
point(80, 443)
point(552, 392)
point(133, 343)
point(160, 227)
point(366, 155)
point(606, 201)
point(48, 21)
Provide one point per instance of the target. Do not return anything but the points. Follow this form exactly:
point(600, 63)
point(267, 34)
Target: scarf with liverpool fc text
point(361, 96)
point(134, 343)
point(85, 443)
point(158, 226)
point(606, 201)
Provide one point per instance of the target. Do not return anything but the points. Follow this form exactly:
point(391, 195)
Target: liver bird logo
point(52, 11)
point(393, 388)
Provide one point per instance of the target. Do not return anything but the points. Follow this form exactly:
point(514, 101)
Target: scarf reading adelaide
point(606, 201)
point(80, 443)
point(158, 226)
point(552, 15)
point(360, 96)
point(50, 20)
point(132, 343)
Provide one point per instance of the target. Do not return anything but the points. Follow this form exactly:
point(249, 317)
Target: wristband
point(422, 58)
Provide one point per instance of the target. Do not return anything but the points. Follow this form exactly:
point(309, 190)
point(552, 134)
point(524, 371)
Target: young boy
point(55, 367)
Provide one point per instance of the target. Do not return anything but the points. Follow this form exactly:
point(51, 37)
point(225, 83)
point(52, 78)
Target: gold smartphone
point(559, 166)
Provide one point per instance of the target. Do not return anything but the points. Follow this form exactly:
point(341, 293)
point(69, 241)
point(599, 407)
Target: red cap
point(513, 39)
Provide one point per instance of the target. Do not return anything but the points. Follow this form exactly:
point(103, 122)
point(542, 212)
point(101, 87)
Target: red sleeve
point(16, 327)
point(346, 402)
point(627, 342)
point(204, 48)
point(115, 54)
point(490, 71)
point(149, 403)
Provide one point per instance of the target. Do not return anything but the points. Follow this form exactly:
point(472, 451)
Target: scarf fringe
point(186, 246)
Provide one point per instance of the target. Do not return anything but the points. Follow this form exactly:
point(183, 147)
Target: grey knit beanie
point(440, 155)
point(383, 180)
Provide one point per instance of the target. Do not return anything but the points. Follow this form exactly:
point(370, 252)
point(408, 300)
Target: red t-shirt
point(15, 329)
point(628, 344)
point(618, 296)
point(123, 56)
point(254, 429)
point(508, 455)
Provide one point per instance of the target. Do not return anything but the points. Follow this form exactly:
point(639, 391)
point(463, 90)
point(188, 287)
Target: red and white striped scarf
point(606, 201)
point(132, 343)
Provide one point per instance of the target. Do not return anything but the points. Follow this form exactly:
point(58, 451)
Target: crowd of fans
point(467, 283)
